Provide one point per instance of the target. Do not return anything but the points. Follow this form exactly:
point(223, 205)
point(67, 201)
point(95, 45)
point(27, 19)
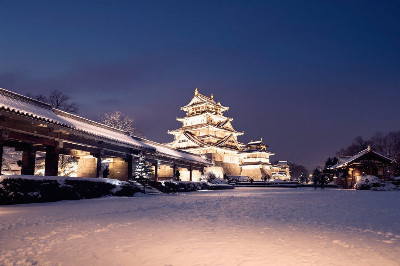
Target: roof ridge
point(193, 138)
point(24, 98)
point(88, 121)
point(223, 140)
point(358, 155)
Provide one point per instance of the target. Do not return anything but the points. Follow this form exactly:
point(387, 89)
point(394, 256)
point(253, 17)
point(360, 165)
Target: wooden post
point(51, 161)
point(156, 170)
point(191, 173)
point(174, 177)
point(98, 165)
point(130, 166)
point(28, 162)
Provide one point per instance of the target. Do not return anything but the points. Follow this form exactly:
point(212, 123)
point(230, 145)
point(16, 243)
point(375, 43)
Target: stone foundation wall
point(87, 167)
point(118, 169)
point(165, 172)
point(266, 172)
point(254, 173)
point(229, 168)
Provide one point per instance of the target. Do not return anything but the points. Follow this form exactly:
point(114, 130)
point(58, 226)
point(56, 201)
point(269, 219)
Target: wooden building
point(366, 162)
point(30, 126)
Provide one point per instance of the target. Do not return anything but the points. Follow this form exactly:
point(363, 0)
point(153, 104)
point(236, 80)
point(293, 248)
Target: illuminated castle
point(206, 131)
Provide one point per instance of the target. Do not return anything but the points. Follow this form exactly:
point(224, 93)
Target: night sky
point(306, 76)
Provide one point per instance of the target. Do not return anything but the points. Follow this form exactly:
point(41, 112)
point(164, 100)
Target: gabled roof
point(226, 124)
point(193, 138)
point(163, 149)
point(256, 146)
point(367, 153)
point(223, 141)
point(199, 99)
point(203, 125)
point(258, 142)
point(93, 128)
point(22, 105)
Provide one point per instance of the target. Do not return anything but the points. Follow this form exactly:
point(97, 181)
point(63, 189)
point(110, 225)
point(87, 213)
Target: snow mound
point(217, 181)
point(384, 187)
point(370, 182)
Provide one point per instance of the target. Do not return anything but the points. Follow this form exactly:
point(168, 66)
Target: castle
point(207, 132)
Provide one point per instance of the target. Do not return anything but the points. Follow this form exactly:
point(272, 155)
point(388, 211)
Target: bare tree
point(118, 120)
point(358, 145)
point(298, 172)
point(57, 100)
point(385, 144)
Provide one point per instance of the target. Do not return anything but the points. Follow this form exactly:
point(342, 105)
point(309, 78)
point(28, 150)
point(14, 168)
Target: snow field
point(244, 226)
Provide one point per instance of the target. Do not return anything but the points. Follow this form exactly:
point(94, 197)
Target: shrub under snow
point(186, 186)
point(30, 189)
point(370, 182)
point(386, 186)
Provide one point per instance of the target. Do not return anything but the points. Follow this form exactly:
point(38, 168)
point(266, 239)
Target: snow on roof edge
point(358, 155)
point(183, 154)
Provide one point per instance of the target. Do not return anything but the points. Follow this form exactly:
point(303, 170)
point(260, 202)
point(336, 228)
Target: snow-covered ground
point(244, 226)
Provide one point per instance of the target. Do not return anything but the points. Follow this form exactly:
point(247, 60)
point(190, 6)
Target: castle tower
point(206, 131)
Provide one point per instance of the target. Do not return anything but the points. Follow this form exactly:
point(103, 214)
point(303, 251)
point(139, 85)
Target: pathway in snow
point(245, 226)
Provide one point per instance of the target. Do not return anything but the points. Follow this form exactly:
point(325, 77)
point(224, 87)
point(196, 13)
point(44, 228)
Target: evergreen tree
point(142, 169)
point(317, 174)
point(328, 172)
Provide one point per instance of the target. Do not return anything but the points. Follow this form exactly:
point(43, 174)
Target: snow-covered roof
point(23, 105)
point(160, 148)
point(223, 123)
point(259, 142)
point(359, 155)
point(97, 129)
point(223, 141)
point(32, 108)
point(199, 99)
point(19, 104)
point(195, 139)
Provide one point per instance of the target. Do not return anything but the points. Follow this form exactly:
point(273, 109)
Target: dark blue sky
point(306, 76)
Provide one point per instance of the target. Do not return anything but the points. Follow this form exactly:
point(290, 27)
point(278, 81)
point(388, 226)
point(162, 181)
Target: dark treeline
point(386, 144)
point(298, 172)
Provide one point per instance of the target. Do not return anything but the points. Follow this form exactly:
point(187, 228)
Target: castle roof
point(200, 99)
